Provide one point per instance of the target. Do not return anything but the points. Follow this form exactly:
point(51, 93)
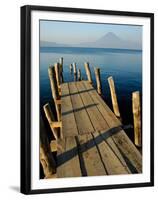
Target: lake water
point(124, 65)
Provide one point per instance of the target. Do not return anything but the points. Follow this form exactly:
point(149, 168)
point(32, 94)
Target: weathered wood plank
point(69, 127)
point(115, 149)
point(82, 120)
point(70, 167)
point(121, 139)
point(112, 163)
point(91, 157)
point(97, 100)
point(96, 118)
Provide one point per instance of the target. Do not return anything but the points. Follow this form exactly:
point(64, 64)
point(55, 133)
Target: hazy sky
point(74, 32)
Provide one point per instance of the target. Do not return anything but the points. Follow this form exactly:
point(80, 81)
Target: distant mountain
point(52, 44)
point(109, 40)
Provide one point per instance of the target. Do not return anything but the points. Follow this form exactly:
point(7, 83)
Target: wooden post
point(74, 68)
point(114, 97)
point(46, 158)
point(88, 72)
point(97, 76)
point(57, 72)
point(61, 63)
point(75, 77)
point(54, 89)
point(136, 118)
point(51, 118)
point(79, 74)
point(53, 145)
point(53, 82)
point(61, 69)
point(70, 68)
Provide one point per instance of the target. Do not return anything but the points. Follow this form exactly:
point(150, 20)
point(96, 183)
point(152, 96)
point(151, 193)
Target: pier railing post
point(57, 72)
point(74, 68)
point(46, 159)
point(75, 71)
point(61, 69)
point(114, 97)
point(137, 118)
point(54, 89)
point(98, 81)
point(79, 75)
point(88, 72)
point(70, 68)
point(51, 119)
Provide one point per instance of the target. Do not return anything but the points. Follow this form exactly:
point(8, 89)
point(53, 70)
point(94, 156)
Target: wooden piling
point(74, 68)
point(57, 72)
point(61, 63)
point(75, 77)
point(98, 81)
point(79, 75)
point(136, 118)
point(70, 68)
point(46, 158)
point(61, 70)
point(51, 120)
point(53, 146)
point(55, 91)
point(88, 72)
point(53, 82)
point(114, 97)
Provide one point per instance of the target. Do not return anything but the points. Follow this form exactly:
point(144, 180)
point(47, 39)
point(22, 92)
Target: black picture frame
point(26, 98)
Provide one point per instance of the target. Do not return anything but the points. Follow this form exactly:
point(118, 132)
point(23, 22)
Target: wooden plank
point(69, 127)
point(82, 120)
point(121, 139)
point(91, 157)
point(112, 163)
point(96, 118)
point(70, 166)
point(102, 110)
point(115, 149)
point(108, 114)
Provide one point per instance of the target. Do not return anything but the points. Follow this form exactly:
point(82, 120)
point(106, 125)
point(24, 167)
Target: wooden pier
point(91, 140)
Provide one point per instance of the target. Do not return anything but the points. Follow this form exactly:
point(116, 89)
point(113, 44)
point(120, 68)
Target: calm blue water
point(124, 65)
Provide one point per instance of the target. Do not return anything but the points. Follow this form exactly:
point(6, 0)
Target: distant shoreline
point(101, 48)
